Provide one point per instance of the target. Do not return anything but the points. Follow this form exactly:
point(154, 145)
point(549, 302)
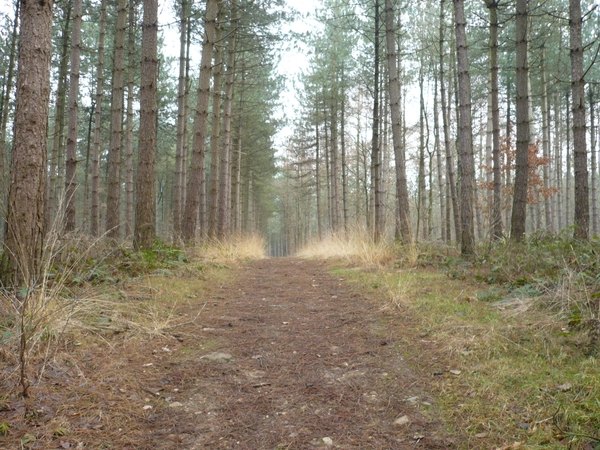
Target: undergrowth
point(508, 339)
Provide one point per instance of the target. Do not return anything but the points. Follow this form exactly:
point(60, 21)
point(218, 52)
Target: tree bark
point(181, 120)
point(546, 144)
point(196, 187)
point(582, 207)
point(519, 211)
point(438, 154)
point(129, 122)
point(72, 127)
point(496, 211)
point(21, 263)
point(593, 137)
point(95, 209)
point(215, 155)
point(421, 200)
point(113, 198)
point(224, 210)
point(445, 125)
point(465, 133)
point(6, 108)
point(375, 144)
point(144, 231)
point(59, 122)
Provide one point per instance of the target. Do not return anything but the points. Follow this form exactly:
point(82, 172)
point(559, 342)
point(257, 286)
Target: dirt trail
point(283, 356)
point(295, 358)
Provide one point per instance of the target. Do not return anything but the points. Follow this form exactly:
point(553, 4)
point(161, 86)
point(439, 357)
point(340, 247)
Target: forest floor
point(282, 355)
point(288, 353)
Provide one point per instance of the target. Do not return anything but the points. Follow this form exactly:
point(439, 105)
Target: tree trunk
point(375, 144)
point(344, 163)
point(558, 159)
point(59, 122)
point(113, 198)
point(465, 133)
point(224, 210)
point(335, 196)
point(593, 162)
point(568, 165)
point(144, 232)
point(582, 206)
point(546, 145)
point(445, 125)
point(6, 109)
point(421, 201)
point(71, 164)
point(129, 207)
point(217, 95)
point(438, 154)
point(181, 120)
point(519, 211)
point(496, 208)
point(21, 264)
point(318, 183)
point(95, 209)
point(196, 187)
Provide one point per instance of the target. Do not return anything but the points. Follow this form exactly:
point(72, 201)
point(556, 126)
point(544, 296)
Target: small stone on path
point(327, 441)
point(402, 420)
point(218, 356)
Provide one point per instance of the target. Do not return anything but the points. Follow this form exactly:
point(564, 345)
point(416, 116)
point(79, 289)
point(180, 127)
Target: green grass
point(522, 377)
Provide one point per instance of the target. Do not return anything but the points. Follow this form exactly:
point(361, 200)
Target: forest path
point(293, 357)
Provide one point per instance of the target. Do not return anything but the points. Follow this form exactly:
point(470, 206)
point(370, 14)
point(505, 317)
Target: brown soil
point(313, 362)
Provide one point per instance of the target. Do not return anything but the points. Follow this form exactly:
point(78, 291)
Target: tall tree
point(446, 127)
point(224, 210)
point(196, 189)
point(582, 207)
point(95, 209)
point(144, 231)
point(72, 127)
point(54, 190)
point(465, 139)
point(129, 122)
point(23, 246)
point(181, 121)
point(522, 152)
point(496, 213)
point(376, 166)
point(215, 138)
point(113, 197)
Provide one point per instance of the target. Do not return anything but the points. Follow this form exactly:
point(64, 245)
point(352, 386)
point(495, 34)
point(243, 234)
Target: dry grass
point(355, 247)
point(233, 250)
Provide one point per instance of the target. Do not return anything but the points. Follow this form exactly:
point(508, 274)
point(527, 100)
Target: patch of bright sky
point(294, 60)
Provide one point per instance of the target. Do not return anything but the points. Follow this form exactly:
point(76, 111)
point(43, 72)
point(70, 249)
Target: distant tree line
point(452, 121)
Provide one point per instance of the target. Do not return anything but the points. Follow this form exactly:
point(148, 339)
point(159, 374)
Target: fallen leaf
point(454, 372)
point(147, 407)
point(564, 387)
point(481, 435)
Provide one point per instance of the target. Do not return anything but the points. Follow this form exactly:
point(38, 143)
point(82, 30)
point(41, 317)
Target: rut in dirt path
point(296, 358)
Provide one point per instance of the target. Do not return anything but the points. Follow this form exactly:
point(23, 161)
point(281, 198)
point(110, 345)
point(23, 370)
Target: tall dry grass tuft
point(39, 312)
point(356, 247)
point(234, 249)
